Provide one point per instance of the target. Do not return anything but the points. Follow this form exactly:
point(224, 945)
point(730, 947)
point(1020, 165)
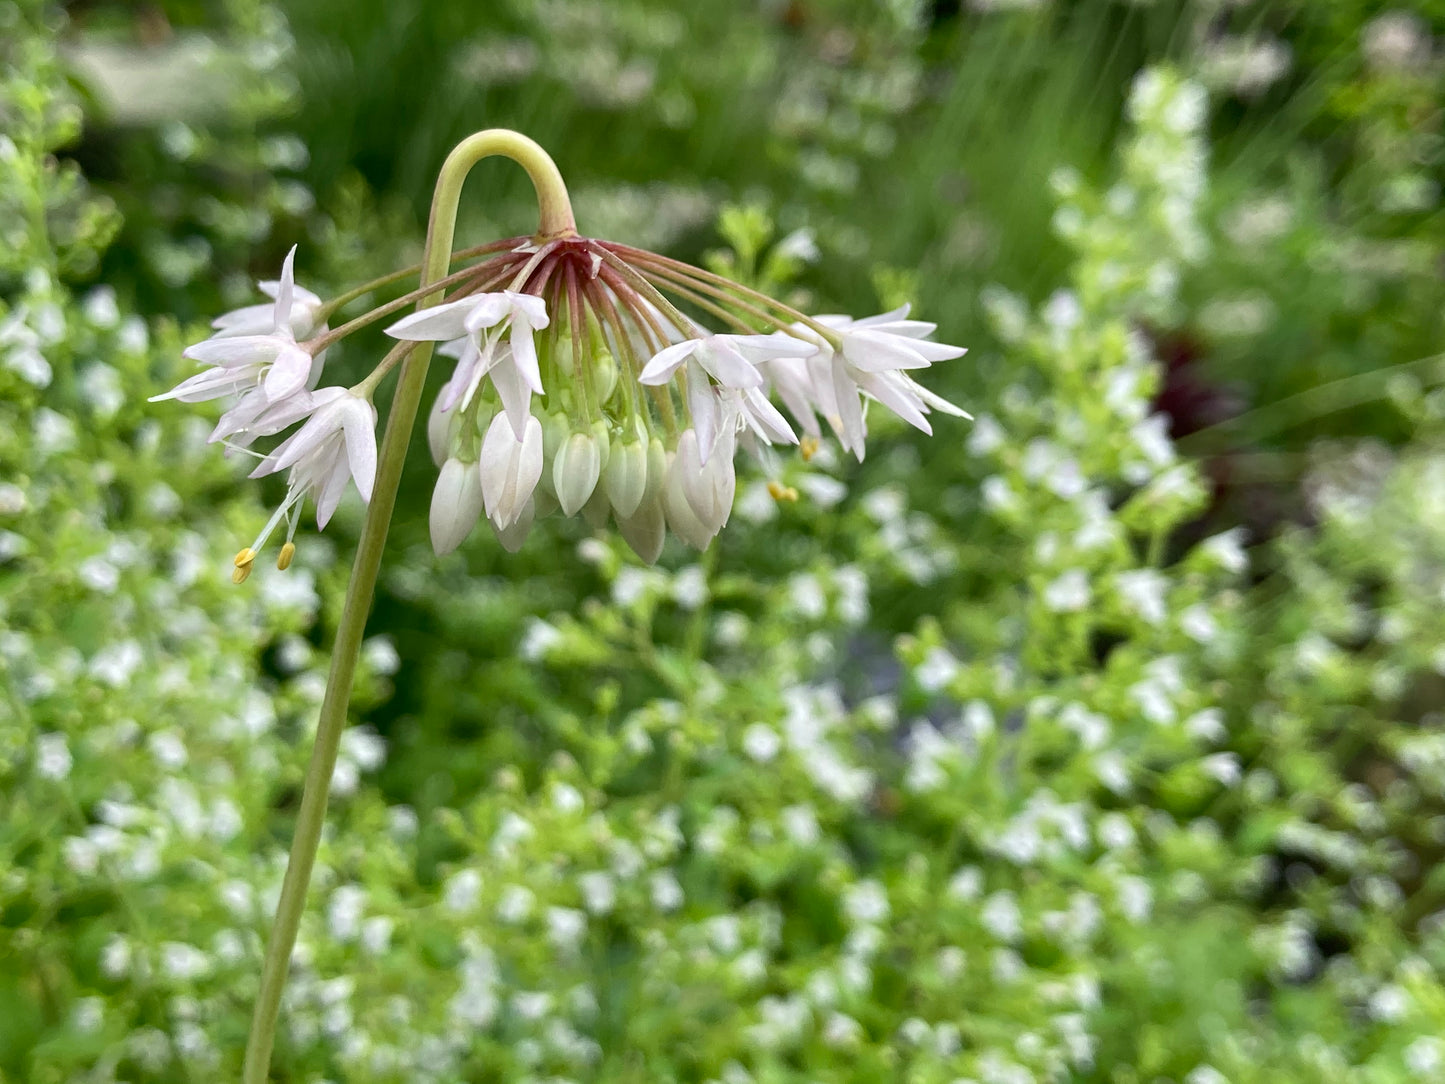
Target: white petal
point(438, 428)
point(301, 295)
point(767, 420)
point(332, 490)
point(454, 348)
point(359, 424)
point(524, 357)
point(932, 352)
point(725, 362)
point(821, 367)
point(235, 352)
point(516, 397)
point(211, 384)
point(241, 418)
point(509, 469)
point(778, 344)
point(791, 381)
point(439, 323)
point(900, 313)
point(288, 374)
point(912, 329)
point(456, 505)
point(285, 291)
point(645, 530)
point(723, 474)
point(463, 382)
point(528, 309)
point(626, 476)
point(250, 320)
point(514, 534)
point(848, 423)
point(681, 518)
point(325, 423)
point(702, 404)
point(934, 401)
point(488, 310)
point(709, 487)
point(665, 362)
point(497, 462)
point(876, 352)
point(575, 471)
point(259, 417)
point(896, 396)
point(529, 463)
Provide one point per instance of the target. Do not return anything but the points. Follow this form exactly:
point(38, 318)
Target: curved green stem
point(366, 388)
point(556, 220)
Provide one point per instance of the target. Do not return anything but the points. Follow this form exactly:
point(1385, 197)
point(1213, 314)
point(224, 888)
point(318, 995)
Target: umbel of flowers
point(580, 386)
point(589, 378)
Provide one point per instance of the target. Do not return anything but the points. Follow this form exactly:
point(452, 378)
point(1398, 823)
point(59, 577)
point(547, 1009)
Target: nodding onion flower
point(580, 386)
point(589, 378)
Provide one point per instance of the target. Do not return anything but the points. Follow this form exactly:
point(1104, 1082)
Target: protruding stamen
point(283, 559)
point(244, 558)
point(240, 572)
point(808, 447)
point(780, 492)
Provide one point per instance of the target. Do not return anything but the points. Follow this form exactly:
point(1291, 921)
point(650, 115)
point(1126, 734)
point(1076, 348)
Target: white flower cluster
point(641, 410)
point(597, 448)
point(264, 356)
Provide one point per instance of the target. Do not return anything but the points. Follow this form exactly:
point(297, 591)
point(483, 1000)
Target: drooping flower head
point(639, 407)
point(589, 378)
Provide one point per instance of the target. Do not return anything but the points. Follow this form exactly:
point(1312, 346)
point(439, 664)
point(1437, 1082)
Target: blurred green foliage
point(998, 759)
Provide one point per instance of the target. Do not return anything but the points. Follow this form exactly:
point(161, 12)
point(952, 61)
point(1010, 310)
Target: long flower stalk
point(556, 219)
point(574, 364)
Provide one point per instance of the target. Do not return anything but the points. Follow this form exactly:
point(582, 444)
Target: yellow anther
point(239, 574)
point(808, 447)
point(283, 560)
point(780, 492)
point(244, 558)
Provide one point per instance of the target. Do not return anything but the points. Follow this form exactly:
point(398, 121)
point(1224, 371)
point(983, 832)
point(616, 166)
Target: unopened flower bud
point(656, 471)
point(626, 475)
point(575, 471)
point(597, 508)
point(439, 431)
point(509, 469)
point(709, 487)
point(602, 437)
point(604, 369)
point(514, 534)
point(645, 530)
point(456, 504)
point(556, 428)
point(681, 517)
